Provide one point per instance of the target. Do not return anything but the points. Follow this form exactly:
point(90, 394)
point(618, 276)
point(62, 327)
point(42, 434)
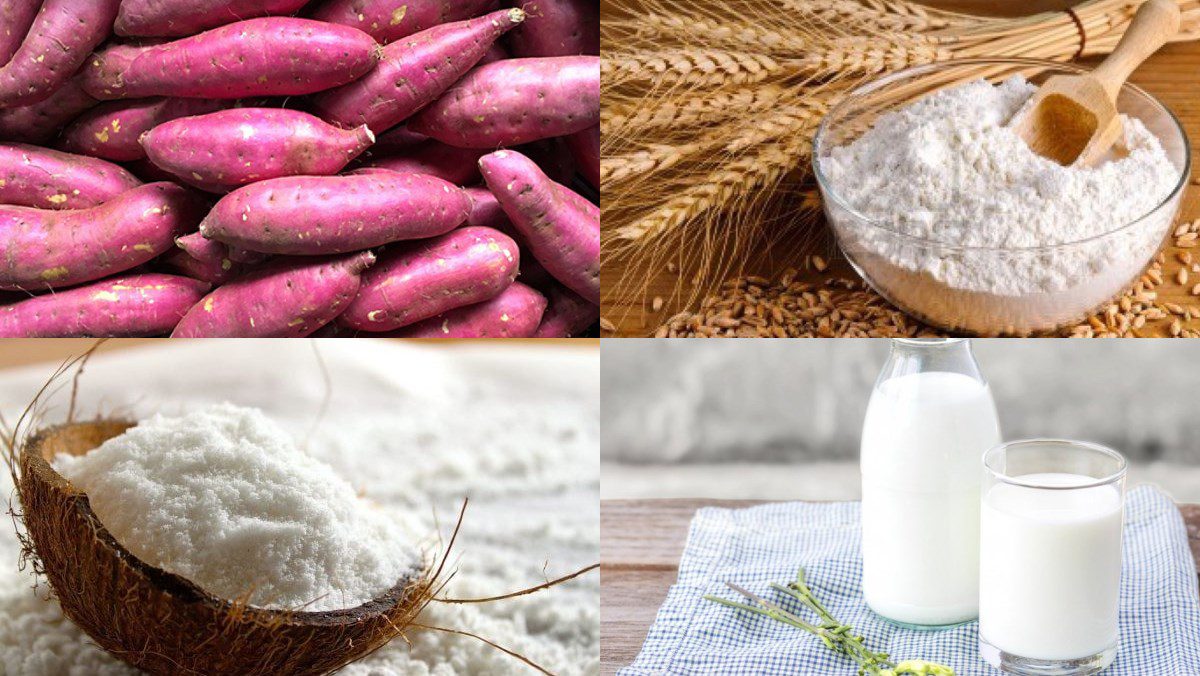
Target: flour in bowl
point(957, 204)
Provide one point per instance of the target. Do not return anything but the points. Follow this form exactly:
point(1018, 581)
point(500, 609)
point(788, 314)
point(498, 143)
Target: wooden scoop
point(1072, 119)
point(161, 622)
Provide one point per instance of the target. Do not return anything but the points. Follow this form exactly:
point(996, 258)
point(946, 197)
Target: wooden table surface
point(640, 545)
point(1171, 75)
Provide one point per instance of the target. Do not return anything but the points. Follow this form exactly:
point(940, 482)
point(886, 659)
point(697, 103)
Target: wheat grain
point(691, 111)
point(656, 158)
point(696, 67)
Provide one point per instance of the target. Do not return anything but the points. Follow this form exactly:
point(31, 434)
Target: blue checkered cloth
point(1159, 617)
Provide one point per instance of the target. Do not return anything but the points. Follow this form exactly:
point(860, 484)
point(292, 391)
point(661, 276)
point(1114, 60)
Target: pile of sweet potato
point(282, 168)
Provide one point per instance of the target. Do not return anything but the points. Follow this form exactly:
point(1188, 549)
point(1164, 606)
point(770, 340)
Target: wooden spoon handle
point(1156, 22)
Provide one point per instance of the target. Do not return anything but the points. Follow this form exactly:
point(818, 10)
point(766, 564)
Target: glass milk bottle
point(930, 419)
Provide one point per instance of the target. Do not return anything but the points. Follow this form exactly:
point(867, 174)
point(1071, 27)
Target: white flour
point(414, 429)
point(225, 498)
point(946, 168)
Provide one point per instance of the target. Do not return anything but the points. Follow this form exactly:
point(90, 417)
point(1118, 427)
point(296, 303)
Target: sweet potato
point(284, 299)
point(42, 249)
point(486, 212)
point(396, 139)
point(18, 17)
point(561, 228)
point(176, 18)
point(273, 56)
point(459, 166)
point(558, 28)
point(425, 279)
point(515, 313)
point(585, 146)
point(63, 33)
point(111, 129)
point(515, 101)
point(132, 305)
point(39, 122)
point(552, 156)
point(390, 20)
point(413, 72)
point(201, 259)
point(312, 215)
point(48, 179)
point(494, 53)
point(230, 148)
point(567, 314)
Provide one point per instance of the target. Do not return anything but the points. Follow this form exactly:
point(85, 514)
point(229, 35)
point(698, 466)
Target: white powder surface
point(947, 168)
point(414, 430)
point(226, 498)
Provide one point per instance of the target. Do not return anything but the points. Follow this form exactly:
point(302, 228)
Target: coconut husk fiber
point(161, 622)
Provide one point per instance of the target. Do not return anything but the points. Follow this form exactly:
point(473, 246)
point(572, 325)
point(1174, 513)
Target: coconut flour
point(959, 204)
point(225, 498)
point(412, 429)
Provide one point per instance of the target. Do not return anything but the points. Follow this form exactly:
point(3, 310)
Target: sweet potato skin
point(567, 313)
point(486, 212)
point(42, 249)
point(289, 298)
point(227, 149)
point(18, 17)
point(63, 33)
point(111, 129)
point(558, 28)
point(390, 20)
point(585, 146)
point(201, 259)
point(514, 313)
point(424, 279)
point(126, 306)
point(172, 18)
point(39, 122)
point(32, 176)
point(561, 228)
point(414, 71)
point(271, 56)
point(515, 101)
point(459, 166)
point(314, 215)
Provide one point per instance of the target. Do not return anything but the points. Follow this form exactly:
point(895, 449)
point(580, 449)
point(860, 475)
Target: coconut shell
point(162, 623)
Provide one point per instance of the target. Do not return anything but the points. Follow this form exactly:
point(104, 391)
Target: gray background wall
point(758, 401)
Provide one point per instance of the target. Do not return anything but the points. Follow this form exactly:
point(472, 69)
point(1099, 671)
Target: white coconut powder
point(948, 169)
point(414, 430)
point(225, 498)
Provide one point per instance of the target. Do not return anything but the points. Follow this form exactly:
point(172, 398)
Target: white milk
point(1051, 568)
point(922, 457)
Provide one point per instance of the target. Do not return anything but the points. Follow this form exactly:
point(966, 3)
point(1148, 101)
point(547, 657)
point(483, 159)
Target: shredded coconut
point(223, 497)
point(948, 169)
point(413, 429)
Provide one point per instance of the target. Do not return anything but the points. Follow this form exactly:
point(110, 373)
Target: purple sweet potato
point(585, 146)
point(561, 228)
point(486, 212)
point(111, 129)
point(425, 279)
point(396, 139)
point(515, 101)
point(18, 16)
point(131, 305)
point(494, 53)
point(553, 156)
point(413, 72)
point(313, 215)
point(181, 18)
point(567, 314)
point(31, 176)
point(558, 28)
point(390, 20)
point(39, 122)
point(515, 313)
point(202, 259)
point(284, 299)
point(63, 33)
point(230, 148)
point(272, 56)
point(42, 249)
point(459, 166)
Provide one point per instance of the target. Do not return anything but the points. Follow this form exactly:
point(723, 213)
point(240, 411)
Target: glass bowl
point(913, 272)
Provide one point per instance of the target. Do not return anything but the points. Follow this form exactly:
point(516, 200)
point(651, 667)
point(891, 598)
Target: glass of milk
point(1050, 556)
point(930, 419)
